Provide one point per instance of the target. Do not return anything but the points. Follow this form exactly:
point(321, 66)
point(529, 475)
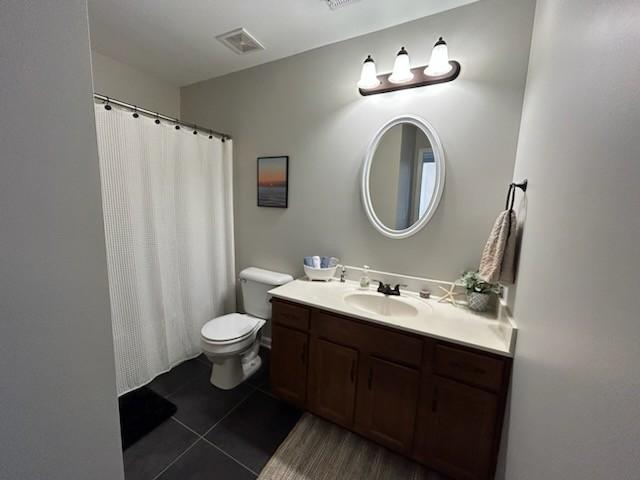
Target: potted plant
point(478, 291)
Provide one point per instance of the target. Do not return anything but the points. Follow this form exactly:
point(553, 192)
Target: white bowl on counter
point(321, 274)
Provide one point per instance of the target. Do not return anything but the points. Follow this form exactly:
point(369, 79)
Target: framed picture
point(273, 181)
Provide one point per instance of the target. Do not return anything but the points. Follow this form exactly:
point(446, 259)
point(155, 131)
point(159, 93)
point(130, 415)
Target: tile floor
point(215, 434)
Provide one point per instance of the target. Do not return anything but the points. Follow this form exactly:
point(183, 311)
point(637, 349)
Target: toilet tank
point(255, 283)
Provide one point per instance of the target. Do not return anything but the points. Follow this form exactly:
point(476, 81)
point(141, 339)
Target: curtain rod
point(135, 109)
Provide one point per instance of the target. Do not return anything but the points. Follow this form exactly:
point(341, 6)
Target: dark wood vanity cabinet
point(289, 358)
point(456, 429)
point(332, 381)
point(387, 404)
point(438, 403)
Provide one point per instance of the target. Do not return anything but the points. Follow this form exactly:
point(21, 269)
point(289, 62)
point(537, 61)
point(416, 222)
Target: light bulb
point(369, 76)
point(439, 63)
point(401, 68)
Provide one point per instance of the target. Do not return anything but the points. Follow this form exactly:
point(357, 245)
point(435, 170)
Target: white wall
point(575, 407)
point(58, 408)
point(308, 107)
point(124, 82)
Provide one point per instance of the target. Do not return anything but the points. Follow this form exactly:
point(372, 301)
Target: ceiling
point(175, 39)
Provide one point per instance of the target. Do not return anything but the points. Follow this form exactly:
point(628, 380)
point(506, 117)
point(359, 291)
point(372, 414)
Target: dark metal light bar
point(419, 80)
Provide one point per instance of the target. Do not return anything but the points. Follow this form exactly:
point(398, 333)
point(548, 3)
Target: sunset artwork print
point(273, 180)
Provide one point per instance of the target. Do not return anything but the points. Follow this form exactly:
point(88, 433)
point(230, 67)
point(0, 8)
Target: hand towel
point(308, 261)
point(324, 262)
point(498, 257)
point(316, 261)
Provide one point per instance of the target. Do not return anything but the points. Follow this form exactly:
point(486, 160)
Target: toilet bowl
point(232, 342)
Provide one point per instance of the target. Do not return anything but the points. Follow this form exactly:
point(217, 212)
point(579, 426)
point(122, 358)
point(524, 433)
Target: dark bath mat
point(141, 411)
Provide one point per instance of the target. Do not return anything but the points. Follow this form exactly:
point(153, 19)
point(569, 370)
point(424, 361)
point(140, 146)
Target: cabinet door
point(289, 315)
point(333, 370)
point(289, 364)
point(457, 431)
point(387, 405)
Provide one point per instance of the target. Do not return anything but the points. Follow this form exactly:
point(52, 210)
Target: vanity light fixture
point(439, 63)
point(368, 77)
point(401, 68)
point(439, 70)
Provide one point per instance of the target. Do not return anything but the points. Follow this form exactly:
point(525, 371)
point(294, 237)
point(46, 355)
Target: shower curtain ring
point(107, 106)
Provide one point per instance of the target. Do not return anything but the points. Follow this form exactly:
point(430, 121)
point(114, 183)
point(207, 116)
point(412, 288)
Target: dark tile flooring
point(215, 434)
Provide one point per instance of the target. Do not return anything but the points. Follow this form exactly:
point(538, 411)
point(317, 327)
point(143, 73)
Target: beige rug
point(318, 450)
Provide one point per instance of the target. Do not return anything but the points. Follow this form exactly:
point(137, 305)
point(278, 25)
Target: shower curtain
point(168, 216)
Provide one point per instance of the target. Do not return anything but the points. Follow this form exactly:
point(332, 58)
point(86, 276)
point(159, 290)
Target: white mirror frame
point(438, 155)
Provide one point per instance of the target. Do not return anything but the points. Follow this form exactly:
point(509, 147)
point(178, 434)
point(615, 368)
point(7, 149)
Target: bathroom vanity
point(426, 380)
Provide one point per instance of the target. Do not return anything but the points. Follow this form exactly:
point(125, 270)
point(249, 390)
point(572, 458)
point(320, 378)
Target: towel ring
point(511, 198)
point(511, 193)
point(522, 185)
point(507, 201)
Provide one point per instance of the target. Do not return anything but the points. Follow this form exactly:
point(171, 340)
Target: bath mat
point(140, 412)
point(318, 450)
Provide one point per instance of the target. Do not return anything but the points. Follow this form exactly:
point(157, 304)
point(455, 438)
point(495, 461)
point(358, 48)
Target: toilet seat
point(230, 328)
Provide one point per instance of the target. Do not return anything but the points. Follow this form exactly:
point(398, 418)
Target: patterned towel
point(498, 257)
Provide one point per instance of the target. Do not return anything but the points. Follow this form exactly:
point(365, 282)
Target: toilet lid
point(229, 327)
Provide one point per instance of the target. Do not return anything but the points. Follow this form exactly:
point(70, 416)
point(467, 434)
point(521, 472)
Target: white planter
point(478, 302)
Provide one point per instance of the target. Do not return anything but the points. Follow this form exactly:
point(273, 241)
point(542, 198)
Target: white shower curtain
point(168, 215)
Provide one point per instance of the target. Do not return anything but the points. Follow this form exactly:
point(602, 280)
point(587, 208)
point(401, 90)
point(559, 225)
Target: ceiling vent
point(240, 41)
point(335, 4)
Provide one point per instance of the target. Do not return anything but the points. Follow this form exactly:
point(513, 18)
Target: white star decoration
point(449, 294)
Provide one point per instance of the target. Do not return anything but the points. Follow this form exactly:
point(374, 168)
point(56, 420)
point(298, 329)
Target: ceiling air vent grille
point(240, 41)
point(334, 4)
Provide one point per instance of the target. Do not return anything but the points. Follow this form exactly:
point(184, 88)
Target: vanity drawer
point(340, 330)
point(472, 368)
point(381, 342)
point(394, 346)
point(290, 315)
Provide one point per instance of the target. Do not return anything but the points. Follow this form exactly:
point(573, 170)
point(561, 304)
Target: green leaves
point(472, 282)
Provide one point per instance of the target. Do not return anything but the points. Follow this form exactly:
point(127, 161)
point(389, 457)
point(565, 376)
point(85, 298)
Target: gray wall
point(58, 409)
point(124, 82)
point(308, 107)
point(575, 409)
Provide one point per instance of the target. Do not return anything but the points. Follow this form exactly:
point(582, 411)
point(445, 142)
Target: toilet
point(232, 341)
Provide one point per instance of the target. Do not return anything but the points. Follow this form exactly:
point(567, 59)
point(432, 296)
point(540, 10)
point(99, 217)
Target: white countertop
point(443, 321)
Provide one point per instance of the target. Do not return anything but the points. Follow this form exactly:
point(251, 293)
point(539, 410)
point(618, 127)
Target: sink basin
point(381, 305)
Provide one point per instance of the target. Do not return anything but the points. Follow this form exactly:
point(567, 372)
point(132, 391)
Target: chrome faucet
point(343, 271)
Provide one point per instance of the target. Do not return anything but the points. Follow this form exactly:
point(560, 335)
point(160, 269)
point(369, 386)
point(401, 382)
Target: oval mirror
point(403, 177)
